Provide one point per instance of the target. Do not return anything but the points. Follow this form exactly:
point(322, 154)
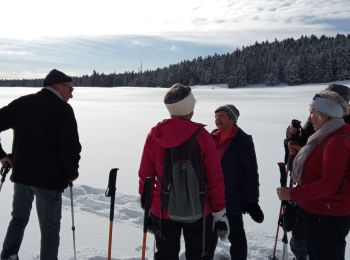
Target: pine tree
point(238, 77)
point(341, 63)
point(293, 71)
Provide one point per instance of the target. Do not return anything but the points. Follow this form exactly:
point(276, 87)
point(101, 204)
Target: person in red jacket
point(295, 139)
point(322, 170)
point(200, 239)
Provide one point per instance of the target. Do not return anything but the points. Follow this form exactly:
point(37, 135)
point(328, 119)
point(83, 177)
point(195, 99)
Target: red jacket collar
point(173, 132)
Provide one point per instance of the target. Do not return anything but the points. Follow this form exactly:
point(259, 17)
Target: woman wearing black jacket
point(240, 169)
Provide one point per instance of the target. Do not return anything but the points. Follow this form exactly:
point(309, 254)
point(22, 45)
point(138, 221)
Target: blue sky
point(78, 36)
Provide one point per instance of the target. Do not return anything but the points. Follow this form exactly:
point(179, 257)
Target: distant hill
point(308, 59)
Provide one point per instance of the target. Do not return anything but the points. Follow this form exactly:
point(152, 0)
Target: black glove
point(255, 212)
point(288, 218)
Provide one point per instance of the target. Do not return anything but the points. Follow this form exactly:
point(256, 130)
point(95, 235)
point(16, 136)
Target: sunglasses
point(68, 86)
point(316, 96)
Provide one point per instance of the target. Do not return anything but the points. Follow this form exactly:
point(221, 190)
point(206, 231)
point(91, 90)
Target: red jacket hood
point(173, 132)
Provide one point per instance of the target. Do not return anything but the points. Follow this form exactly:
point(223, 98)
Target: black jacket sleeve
point(69, 145)
point(6, 122)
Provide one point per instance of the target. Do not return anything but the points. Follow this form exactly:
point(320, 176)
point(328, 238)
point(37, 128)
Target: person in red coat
point(322, 171)
point(200, 239)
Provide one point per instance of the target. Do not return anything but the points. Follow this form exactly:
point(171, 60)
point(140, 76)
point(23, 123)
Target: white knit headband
point(182, 107)
point(327, 107)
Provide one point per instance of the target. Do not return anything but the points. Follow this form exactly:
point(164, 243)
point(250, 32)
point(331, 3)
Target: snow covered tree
point(238, 77)
point(341, 64)
point(293, 71)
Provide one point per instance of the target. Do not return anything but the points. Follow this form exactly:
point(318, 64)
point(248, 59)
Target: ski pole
point(72, 211)
point(283, 182)
point(147, 205)
point(3, 172)
point(285, 246)
point(110, 192)
point(276, 237)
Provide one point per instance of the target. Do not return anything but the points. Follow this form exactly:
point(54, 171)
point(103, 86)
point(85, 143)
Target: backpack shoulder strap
point(196, 133)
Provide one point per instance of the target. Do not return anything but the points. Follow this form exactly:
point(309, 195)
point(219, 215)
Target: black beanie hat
point(56, 77)
point(230, 110)
point(342, 90)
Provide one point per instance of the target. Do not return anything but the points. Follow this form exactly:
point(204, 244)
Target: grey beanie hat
point(230, 110)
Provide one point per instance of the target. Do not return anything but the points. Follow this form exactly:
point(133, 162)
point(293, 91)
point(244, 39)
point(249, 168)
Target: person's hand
point(220, 224)
point(72, 178)
point(255, 212)
point(283, 193)
point(291, 131)
point(6, 159)
point(293, 148)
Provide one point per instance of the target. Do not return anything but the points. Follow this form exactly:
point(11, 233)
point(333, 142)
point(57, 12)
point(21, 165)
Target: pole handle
point(283, 174)
point(110, 192)
point(146, 201)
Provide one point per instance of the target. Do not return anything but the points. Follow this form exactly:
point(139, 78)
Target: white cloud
point(17, 53)
point(182, 18)
point(113, 35)
point(174, 48)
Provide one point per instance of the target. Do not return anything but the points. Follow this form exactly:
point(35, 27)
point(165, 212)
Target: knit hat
point(56, 77)
point(230, 110)
point(329, 103)
point(179, 100)
point(342, 90)
point(182, 107)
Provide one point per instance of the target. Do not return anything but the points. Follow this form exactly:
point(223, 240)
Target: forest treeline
point(309, 59)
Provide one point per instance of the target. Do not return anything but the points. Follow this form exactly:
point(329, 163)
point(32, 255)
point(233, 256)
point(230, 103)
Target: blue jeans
point(49, 209)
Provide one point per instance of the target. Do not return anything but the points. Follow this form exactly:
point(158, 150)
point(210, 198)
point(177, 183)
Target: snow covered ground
point(113, 124)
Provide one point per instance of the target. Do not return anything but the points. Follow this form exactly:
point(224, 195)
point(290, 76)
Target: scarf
point(313, 141)
point(222, 137)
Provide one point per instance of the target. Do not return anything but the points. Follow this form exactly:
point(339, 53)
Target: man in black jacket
point(45, 156)
point(240, 169)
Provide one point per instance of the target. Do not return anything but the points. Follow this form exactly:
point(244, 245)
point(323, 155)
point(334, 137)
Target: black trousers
point(326, 236)
point(237, 237)
point(168, 234)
